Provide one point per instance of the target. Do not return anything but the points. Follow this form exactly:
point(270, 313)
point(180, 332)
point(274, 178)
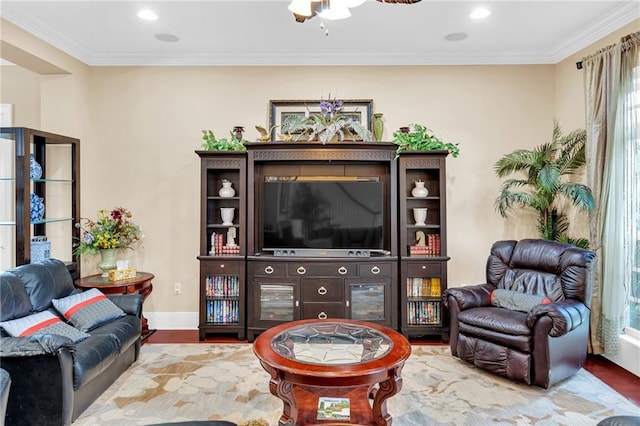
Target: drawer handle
point(301, 270)
point(375, 270)
point(342, 270)
point(297, 303)
point(268, 270)
point(322, 316)
point(424, 266)
point(322, 291)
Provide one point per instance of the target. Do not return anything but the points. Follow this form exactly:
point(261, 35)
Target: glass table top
point(331, 343)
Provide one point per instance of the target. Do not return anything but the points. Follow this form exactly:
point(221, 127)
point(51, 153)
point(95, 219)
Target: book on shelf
point(432, 247)
point(333, 408)
point(423, 287)
point(423, 313)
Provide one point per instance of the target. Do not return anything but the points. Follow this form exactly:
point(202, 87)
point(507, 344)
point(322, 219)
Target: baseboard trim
point(172, 320)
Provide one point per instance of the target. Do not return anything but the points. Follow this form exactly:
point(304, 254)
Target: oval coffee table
point(350, 366)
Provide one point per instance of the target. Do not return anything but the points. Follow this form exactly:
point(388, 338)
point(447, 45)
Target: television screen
point(343, 213)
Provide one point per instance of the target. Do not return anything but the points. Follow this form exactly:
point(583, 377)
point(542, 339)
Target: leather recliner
point(540, 346)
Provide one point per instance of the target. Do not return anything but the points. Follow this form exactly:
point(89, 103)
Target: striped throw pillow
point(88, 310)
point(42, 323)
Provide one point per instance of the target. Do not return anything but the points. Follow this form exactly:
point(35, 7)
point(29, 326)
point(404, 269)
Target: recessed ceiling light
point(479, 13)
point(169, 38)
point(456, 36)
point(147, 15)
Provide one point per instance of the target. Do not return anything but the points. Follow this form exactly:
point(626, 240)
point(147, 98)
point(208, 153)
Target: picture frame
point(358, 109)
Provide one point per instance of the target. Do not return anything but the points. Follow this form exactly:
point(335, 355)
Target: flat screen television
point(323, 213)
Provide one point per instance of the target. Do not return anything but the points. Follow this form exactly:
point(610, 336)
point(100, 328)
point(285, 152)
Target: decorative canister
point(378, 126)
point(35, 169)
point(419, 191)
point(226, 191)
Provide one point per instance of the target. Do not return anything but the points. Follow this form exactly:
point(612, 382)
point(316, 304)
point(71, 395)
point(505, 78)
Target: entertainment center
point(322, 231)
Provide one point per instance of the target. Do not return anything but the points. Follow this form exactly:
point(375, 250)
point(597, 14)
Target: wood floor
point(618, 378)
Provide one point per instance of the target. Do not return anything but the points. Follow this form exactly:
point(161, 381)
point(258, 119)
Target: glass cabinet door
point(8, 205)
point(277, 302)
point(367, 301)
point(222, 299)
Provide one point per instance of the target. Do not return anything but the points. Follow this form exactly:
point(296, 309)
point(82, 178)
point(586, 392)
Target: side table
point(141, 284)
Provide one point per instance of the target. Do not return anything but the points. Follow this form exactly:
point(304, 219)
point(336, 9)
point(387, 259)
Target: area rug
point(180, 382)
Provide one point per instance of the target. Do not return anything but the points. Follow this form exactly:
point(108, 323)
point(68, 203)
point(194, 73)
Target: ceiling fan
point(330, 9)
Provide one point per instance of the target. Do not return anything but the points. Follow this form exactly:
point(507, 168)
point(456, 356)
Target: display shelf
point(58, 185)
point(222, 246)
point(423, 248)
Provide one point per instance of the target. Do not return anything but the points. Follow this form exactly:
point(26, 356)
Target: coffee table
point(317, 362)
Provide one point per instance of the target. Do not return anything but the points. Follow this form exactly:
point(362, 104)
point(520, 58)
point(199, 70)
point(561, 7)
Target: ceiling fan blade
point(399, 1)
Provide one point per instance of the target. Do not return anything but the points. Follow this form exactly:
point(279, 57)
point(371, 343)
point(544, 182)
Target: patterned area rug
point(171, 383)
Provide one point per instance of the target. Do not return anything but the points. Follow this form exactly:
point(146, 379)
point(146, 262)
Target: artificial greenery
point(545, 184)
point(330, 123)
point(421, 138)
point(111, 230)
point(213, 144)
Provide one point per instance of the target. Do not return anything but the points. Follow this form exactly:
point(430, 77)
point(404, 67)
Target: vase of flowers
point(329, 125)
point(108, 259)
point(111, 231)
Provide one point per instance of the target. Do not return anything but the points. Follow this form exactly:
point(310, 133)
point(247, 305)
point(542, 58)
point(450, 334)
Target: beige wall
point(140, 126)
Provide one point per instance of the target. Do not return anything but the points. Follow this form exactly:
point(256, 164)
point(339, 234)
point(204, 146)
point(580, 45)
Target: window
point(634, 303)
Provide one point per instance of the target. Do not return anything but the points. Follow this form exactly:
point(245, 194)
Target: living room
point(140, 125)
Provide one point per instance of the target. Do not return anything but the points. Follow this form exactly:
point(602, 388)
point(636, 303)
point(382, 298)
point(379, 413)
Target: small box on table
point(122, 274)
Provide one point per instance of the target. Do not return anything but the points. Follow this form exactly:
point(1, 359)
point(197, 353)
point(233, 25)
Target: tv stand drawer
point(313, 269)
point(311, 310)
point(375, 270)
point(322, 290)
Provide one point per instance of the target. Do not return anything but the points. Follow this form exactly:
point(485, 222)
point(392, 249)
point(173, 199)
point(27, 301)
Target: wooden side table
point(141, 284)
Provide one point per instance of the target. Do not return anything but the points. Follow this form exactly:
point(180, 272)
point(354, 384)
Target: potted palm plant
point(545, 184)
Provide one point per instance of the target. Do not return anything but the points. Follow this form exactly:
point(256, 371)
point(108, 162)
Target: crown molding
point(616, 19)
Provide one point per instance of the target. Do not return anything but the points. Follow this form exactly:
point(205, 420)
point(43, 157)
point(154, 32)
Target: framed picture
point(279, 110)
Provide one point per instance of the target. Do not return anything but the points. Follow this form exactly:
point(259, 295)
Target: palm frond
point(508, 199)
point(518, 160)
point(580, 195)
point(548, 178)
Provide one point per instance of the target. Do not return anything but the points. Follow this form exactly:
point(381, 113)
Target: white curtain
point(612, 130)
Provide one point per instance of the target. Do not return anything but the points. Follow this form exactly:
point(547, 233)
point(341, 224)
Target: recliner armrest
point(468, 297)
point(47, 344)
point(130, 303)
point(565, 315)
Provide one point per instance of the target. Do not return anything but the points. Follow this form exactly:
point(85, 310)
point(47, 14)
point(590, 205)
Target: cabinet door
point(368, 300)
point(222, 292)
point(423, 287)
point(275, 301)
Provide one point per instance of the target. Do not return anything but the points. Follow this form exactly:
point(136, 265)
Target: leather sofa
point(540, 345)
point(54, 379)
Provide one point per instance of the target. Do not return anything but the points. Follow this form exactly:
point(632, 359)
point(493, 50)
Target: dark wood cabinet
point(55, 188)
point(222, 243)
point(284, 290)
point(423, 244)
point(396, 283)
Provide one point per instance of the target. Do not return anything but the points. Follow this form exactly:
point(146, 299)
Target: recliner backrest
point(548, 268)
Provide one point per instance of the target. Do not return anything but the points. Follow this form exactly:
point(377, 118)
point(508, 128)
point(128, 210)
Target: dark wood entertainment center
point(247, 288)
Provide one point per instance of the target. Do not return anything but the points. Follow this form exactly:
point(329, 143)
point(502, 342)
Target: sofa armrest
point(565, 315)
point(468, 297)
point(130, 303)
point(46, 344)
